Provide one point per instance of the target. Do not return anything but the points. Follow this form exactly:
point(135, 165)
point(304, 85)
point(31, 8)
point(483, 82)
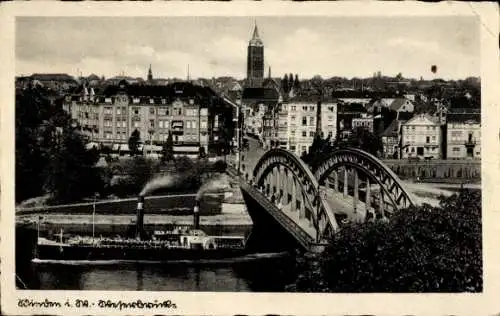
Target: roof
point(351, 107)
point(358, 94)
point(52, 77)
point(421, 119)
point(397, 103)
point(256, 41)
point(463, 118)
point(261, 94)
point(405, 116)
point(392, 130)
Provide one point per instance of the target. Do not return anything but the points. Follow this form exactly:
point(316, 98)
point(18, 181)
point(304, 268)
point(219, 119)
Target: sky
point(217, 46)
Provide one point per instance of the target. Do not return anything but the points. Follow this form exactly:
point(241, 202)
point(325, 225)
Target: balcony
point(470, 143)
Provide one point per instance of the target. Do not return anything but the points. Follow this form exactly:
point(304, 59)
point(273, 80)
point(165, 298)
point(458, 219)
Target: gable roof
point(421, 119)
point(404, 116)
point(392, 130)
point(398, 103)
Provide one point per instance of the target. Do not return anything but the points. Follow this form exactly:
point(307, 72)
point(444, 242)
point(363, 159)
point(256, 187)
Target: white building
point(365, 121)
point(421, 137)
point(297, 124)
point(463, 136)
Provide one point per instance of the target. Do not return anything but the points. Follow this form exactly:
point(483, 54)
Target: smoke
point(218, 183)
point(162, 182)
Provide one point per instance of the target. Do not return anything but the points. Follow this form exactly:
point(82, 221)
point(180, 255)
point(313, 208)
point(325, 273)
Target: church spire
point(255, 32)
point(256, 41)
point(150, 73)
point(269, 73)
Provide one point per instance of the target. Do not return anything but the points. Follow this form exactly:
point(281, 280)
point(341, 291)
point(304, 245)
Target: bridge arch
point(289, 183)
point(392, 189)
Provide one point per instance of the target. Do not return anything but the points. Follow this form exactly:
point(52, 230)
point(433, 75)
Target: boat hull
point(79, 252)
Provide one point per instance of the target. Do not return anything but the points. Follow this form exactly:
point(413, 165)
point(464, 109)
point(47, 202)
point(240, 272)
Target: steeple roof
point(256, 41)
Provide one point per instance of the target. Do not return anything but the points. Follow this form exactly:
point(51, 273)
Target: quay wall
point(437, 170)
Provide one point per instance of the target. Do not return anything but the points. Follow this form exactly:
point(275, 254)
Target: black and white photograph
point(246, 153)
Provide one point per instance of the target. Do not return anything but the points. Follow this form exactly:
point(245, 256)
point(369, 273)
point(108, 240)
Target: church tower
point(255, 60)
point(150, 74)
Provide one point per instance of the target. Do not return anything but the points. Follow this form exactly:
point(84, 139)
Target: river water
point(252, 273)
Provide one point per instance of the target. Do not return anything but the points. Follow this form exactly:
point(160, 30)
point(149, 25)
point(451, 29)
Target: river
point(253, 273)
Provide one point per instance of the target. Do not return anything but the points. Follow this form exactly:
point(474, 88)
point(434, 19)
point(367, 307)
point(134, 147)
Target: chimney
point(140, 217)
point(196, 215)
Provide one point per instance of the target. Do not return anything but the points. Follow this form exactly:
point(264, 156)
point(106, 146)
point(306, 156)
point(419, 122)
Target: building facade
point(463, 136)
point(295, 124)
point(421, 138)
point(255, 60)
point(365, 121)
point(181, 109)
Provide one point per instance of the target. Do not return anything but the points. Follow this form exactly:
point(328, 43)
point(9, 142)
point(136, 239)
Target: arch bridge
point(349, 185)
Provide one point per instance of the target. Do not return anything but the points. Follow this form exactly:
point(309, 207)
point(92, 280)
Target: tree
point(70, 173)
point(50, 153)
point(168, 149)
point(296, 83)
point(421, 249)
point(285, 84)
point(363, 139)
point(133, 142)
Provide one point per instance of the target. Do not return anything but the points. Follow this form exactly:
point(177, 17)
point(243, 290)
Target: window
point(152, 109)
point(304, 134)
point(293, 133)
point(311, 134)
point(413, 128)
point(330, 118)
point(204, 112)
point(108, 110)
point(152, 123)
point(427, 139)
point(293, 117)
point(311, 120)
point(136, 111)
point(136, 124)
point(107, 123)
point(456, 149)
point(311, 108)
point(203, 124)
point(304, 121)
point(294, 108)
point(118, 110)
point(304, 108)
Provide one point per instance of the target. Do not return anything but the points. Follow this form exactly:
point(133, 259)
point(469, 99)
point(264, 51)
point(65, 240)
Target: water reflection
point(268, 274)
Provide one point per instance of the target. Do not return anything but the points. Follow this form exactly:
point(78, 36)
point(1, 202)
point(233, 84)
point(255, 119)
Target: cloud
point(218, 46)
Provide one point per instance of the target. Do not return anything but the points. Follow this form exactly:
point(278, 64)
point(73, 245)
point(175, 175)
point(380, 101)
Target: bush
point(422, 249)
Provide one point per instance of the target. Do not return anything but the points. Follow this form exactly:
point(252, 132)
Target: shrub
point(421, 249)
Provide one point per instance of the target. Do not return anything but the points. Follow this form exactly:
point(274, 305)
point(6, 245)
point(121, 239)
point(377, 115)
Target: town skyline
point(216, 46)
